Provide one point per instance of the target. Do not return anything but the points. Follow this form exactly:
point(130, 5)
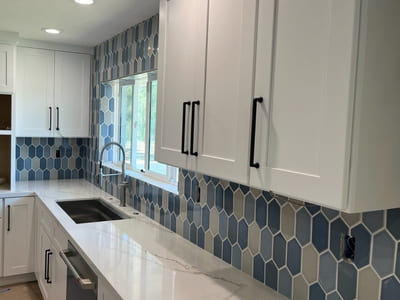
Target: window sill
point(172, 188)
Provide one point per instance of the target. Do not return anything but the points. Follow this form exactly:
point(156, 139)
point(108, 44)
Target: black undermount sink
point(91, 210)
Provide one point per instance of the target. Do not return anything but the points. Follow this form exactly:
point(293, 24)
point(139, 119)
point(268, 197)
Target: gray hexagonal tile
point(287, 221)
point(310, 263)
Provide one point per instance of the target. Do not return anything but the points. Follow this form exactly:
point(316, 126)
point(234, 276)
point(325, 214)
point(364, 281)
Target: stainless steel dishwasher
point(81, 280)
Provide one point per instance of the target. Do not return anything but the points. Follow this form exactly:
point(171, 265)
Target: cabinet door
point(6, 68)
point(34, 92)
point(311, 103)
point(224, 114)
point(44, 247)
point(1, 236)
point(259, 176)
point(183, 27)
point(18, 236)
point(72, 94)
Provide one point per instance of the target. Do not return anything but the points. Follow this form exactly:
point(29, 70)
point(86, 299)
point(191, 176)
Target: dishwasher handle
point(85, 283)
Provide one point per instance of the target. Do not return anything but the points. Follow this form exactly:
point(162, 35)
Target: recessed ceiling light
point(84, 2)
point(52, 30)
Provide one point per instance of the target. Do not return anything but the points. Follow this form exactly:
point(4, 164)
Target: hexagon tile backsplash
point(290, 246)
point(36, 158)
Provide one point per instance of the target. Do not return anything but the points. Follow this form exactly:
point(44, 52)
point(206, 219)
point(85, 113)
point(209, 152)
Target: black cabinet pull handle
point(50, 109)
point(183, 151)
point(253, 132)
point(8, 217)
point(192, 128)
point(58, 118)
point(46, 276)
point(48, 266)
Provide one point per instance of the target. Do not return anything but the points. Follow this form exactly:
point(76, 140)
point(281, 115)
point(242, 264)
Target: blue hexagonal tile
point(108, 90)
point(274, 216)
point(258, 268)
point(103, 130)
point(303, 226)
point(266, 243)
point(31, 151)
point(397, 269)
point(219, 197)
point(205, 217)
point(28, 164)
point(338, 229)
point(228, 201)
point(261, 211)
point(316, 292)
point(227, 251)
point(363, 245)
point(111, 104)
point(373, 220)
point(177, 205)
point(43, 163)
point(232, 229)
point(383, 253)
point(333, 296)
point(320, 232)
point(390, 289)
point(271, 275)
point(237, 257)
point(330, 213)
point(189, 210)
point(187, 186)
point(313, 209)
point(249, 206)
point(393, 222)
point(193, 229)
point(285, 283)
point(39, 151)
point(20, 164)
point(294, 257)
point(243, 234)
point(267, 196)
point(194, 189)
point(210, 194)
point(327, 272)
point(279, 253)
point(347, 280)
point(223, 225)
point(234, 186)
point(245, 189)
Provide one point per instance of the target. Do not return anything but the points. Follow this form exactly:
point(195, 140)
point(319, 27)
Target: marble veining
point(139, 258)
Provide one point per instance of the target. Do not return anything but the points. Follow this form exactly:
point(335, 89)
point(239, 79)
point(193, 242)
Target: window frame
point(171, 176)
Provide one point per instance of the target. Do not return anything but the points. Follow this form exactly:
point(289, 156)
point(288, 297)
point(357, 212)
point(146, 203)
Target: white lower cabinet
point(18, 236)
point(51, 271)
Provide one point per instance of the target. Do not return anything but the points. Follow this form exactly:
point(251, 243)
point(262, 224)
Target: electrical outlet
point(348, 247)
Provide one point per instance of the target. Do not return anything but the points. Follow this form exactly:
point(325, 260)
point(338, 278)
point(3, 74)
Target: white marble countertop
point(141, 259)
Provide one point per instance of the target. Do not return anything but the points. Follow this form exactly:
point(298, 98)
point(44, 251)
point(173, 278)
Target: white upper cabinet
point(183, 30)
point(329, 133)
point(223, 120)
point(297, 97)
point(7, 69)
point(72, 75)
point(34, 92)
point(52, 93)
point(205, 85)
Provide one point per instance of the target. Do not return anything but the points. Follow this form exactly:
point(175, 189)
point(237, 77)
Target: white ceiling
point(81, 25)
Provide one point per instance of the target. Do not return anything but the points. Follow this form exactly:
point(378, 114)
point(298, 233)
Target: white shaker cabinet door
point(72, 94)
point(6, 68)
point(181, 69)
point(19, 236)
point(34, 92)
point(311, 99)
point(222, 119)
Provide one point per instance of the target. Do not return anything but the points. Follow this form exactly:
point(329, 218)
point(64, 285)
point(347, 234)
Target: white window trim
point(146, 177)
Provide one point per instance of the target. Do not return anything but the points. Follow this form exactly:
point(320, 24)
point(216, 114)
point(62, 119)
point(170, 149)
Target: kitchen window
point(135, 126)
